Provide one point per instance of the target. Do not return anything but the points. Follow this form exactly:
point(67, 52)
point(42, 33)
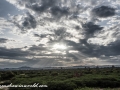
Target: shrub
point(7, 75)
point(61, 86)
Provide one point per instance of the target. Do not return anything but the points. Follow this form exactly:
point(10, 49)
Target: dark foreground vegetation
point(64, 79)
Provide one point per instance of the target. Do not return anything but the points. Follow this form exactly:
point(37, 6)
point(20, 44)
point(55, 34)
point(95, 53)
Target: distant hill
point(23, 67)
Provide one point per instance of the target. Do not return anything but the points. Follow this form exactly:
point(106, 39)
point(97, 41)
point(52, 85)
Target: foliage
point(65, 79)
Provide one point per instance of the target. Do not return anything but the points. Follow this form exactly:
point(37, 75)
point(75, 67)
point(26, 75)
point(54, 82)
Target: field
point(64, 79)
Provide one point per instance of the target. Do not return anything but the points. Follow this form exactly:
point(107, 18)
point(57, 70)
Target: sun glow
point(59, 46)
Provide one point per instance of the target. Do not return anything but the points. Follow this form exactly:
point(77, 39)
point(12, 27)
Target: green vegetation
point(86, 88)
point(65, 79)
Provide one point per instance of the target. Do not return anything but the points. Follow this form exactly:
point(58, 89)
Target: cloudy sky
point(43, 33)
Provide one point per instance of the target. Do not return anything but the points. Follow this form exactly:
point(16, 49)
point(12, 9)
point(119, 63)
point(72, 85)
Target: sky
point(45, 33)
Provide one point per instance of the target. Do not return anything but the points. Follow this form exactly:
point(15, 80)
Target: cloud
point(68, 22)
point(29, 22)
point(39, 48)
point(17, 52)
point(61, 34)
point(5, 24)
point(60, 11)
point(43, 52)
point(42, 13)
point(92, 50)
point(3, 40)
point(90, 28)
point(41, 7)
point(24, 22)
point(104, 11)
point(97, 51)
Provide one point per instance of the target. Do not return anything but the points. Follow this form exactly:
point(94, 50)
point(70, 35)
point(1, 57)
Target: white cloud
point(11, 61)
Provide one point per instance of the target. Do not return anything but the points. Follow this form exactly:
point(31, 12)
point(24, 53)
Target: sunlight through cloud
point(59, 46)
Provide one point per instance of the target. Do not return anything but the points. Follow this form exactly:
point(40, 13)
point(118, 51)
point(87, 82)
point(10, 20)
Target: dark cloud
point(77, 27)
point(39, 48)
point(41, 35)
point(111, 50)
point(70, 43)
point(29, 22)
point(114, 48)
point(4, 52)
point(3, 40)
point(59, 11)
point(48, 3)
point(60, 32)
point(92, 50)
point(104, 11)
point(55, 9)
point(72, 56)
point(59, 35)
point(36, 35)
point(84, 47)
point(39, 8)
point(90, 28)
